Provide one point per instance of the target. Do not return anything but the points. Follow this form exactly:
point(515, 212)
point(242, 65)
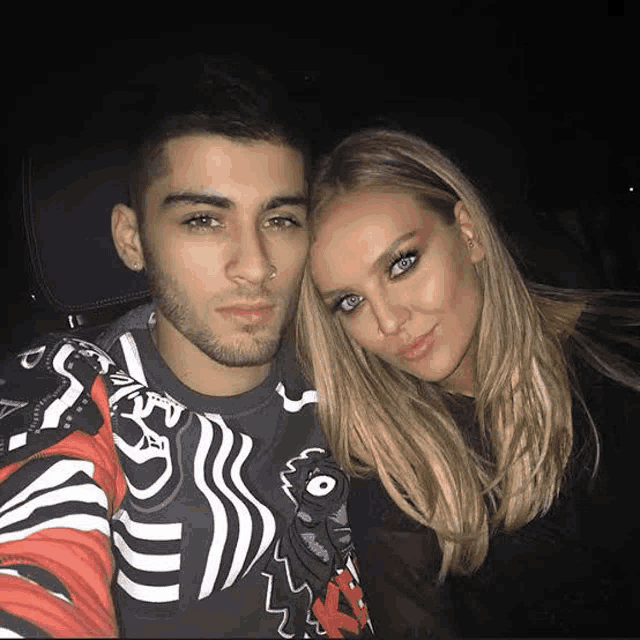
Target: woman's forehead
point(356, 217)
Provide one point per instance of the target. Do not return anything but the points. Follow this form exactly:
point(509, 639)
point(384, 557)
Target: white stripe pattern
point(150, 531)
point(244, 517)
point(239, 495)
point(76, 493)
point(293, 406)
point(55, 410)
point(268, 521)
point(219, 515)
point(79, 521)
point(55, 475)
point(13, 572)
point(150, 563)
point(132, 358)
point(146, 561)
point(147, 593)
point(7, 633)
point(124, 391)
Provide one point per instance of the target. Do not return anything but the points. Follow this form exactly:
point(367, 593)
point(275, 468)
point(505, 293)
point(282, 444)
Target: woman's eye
point(403, 264)
point(349, 303)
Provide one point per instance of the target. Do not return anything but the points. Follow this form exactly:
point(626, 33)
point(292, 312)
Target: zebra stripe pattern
point(149, 562)
point(238, 533)
point(59, 493)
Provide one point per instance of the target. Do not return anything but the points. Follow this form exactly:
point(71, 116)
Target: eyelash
point(393, 260)
point(402, 255)
point(205, 222)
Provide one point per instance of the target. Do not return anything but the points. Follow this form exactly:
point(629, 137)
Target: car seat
point(69, 190)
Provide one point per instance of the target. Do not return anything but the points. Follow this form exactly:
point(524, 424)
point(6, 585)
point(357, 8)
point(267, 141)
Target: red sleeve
point(56, 577)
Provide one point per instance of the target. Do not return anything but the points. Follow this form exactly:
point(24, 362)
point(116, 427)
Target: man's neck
point(198, 371)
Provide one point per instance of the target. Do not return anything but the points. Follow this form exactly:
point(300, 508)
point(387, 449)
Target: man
point(183, 441)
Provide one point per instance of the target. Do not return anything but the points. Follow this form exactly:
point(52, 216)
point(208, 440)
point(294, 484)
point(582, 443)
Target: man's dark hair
point(233, 98)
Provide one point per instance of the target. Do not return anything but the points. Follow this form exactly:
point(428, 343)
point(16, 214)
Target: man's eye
point(283, 222)
point(202, 222)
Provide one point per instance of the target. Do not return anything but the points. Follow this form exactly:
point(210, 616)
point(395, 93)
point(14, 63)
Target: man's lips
point(246, 309)
point(257, 314)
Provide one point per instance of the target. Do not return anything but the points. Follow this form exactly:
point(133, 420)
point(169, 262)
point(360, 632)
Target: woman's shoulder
point(612, 411)
point(400, 561)
point(370, 503)
point(613, 406)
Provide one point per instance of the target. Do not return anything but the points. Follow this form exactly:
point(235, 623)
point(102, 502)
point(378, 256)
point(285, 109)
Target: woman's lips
point(418, 348)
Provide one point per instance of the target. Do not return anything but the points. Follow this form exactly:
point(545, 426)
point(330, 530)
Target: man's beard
point(175, 307)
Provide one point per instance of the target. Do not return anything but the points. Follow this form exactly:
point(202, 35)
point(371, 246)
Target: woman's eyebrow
point(385, 256)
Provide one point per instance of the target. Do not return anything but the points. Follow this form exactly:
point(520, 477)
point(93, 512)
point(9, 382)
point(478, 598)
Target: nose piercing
point(273, 273)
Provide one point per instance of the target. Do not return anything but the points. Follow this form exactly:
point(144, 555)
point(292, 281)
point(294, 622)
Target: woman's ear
point(468, 233)
point(126, 236)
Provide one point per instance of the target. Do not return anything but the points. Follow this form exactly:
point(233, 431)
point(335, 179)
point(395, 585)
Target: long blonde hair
point(381, 421)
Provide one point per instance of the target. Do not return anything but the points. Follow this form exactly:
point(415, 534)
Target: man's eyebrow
point(192, 197)
point(297, 200)
point(383, 258)
point(222, 202)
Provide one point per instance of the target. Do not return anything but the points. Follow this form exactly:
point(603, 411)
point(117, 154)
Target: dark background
point(540, 109)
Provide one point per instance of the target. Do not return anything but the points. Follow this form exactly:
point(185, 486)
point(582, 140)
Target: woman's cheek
point(360, 329)
point(433, 290)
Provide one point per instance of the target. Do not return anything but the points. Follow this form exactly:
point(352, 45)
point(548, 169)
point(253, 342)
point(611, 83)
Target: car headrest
point(69, 190)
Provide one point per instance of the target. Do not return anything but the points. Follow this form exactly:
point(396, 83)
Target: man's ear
point(468, 233)
point(126, 236)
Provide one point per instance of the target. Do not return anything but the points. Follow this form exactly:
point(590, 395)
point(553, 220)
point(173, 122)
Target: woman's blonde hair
point(381, 421)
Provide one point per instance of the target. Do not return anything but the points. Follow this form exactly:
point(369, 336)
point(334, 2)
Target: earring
point(273, 273)
point(470, 243)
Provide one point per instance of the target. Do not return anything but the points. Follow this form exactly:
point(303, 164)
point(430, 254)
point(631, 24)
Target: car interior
point(74, 267)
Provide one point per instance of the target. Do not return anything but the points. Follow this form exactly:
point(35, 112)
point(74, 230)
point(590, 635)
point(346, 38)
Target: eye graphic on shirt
point(315, 552)
point(321, 486)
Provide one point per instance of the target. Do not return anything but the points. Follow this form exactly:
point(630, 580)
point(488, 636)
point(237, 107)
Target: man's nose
point(249, 261)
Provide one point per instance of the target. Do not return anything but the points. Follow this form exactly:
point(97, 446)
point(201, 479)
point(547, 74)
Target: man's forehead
point(213, 164)
point(230, 173)
point(189, 142)
point(216, 150)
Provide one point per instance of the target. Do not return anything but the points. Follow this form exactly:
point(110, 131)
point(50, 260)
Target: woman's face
point(403, 283)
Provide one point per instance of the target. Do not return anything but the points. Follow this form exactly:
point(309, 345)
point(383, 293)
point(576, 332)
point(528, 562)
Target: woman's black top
point(571, 572)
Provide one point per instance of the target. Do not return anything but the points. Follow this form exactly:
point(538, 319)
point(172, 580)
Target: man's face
point(215, 228)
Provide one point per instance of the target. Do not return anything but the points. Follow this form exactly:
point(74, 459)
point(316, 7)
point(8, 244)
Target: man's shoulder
point(101, 335)
point(46, 393)
point(37, 358)
point(46, 386)
point(137, 318)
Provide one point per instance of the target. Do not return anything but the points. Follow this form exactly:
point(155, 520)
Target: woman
point(447, 382)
